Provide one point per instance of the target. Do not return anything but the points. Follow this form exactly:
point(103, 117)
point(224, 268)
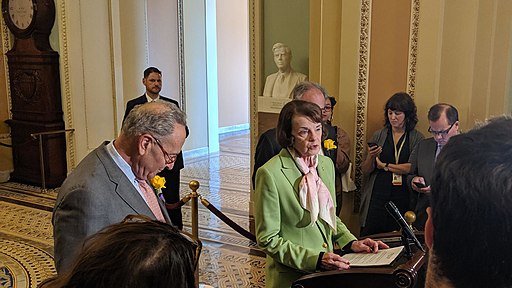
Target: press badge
point(397, 179)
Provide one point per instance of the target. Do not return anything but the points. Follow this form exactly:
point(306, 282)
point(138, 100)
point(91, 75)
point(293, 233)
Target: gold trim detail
point(362, 95)
point(413, 47)
point(67, 101)
point(181, 56)
point(6, 46)
point(253, 63)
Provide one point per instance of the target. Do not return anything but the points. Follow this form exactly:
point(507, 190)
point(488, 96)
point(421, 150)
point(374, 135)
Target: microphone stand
point(407, 242)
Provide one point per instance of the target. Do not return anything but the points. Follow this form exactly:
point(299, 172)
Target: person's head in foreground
point(469, 226)
point(138, 252)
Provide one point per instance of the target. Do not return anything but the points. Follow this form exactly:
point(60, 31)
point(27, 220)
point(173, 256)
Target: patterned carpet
point(227, 260)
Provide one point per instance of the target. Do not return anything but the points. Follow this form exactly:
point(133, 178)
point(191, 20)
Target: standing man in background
point(153, 82)
point(444, 123)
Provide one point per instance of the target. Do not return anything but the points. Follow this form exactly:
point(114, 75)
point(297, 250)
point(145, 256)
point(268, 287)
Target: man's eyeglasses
point(169, 157)
point(196, 243)
point(442, 133)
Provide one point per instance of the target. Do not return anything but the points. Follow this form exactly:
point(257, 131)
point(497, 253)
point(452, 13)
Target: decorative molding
point(66, 89)
point(6, 46)
point(181, 56)
point(413, 47)
point(254, 6)
point(362, 95)
point(113, 64)
point(233, 128)
point(198, 152)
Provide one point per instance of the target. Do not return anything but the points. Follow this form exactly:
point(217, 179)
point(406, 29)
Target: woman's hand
point(333, 261)
point(380, 164)
point(368, 245)
point(368, 164)
point(374, 151)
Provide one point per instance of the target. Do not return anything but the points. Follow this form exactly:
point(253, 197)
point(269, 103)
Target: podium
point(402, 273)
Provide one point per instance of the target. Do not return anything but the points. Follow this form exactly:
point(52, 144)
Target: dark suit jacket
point(178, 165)
point(422, 161)
point(96, 194)
point(266, 148)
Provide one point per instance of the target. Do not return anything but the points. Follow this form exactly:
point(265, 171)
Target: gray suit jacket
point(96, 194)
point(422, 161)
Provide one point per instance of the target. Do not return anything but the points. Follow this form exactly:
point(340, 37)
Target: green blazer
point(282, 231)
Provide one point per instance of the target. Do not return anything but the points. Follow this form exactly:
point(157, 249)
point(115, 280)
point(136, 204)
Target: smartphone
point(419, 184)
point(371, 144)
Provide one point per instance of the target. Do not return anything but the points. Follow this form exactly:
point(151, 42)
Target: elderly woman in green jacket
point(296, 222)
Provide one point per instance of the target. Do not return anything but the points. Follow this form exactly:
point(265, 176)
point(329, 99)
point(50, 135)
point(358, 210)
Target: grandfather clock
point(35, 93)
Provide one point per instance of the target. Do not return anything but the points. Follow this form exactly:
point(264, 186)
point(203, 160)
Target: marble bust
point(281, 83)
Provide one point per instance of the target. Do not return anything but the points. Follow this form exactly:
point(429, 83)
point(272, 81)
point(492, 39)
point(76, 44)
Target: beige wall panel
point(458, 59)
point(90, 75)
point(345, 110)
point(233, 62)
point(330, 46)
point(98, 90)
point(388, 56)
point(479, 93)
point(501, 60)
point(195, 73)
point(315, 37)
point(134, 44)
point(429, 59)
point(4, 94)
point(162, 32)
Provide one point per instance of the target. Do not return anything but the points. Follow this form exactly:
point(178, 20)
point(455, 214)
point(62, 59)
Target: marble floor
point(228, 258)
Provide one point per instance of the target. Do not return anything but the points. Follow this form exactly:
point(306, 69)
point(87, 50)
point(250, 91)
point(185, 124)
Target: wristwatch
point(386, 168)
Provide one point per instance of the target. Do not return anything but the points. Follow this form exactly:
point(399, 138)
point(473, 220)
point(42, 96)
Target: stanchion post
point(194, 185)
point(41, 160)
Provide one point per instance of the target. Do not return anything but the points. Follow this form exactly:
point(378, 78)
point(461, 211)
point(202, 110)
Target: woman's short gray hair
point(158, 118)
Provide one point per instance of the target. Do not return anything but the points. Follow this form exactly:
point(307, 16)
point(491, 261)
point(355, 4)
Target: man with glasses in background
point(444, 123)
point(112, 181)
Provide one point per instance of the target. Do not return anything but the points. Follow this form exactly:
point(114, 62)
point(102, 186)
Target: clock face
point(21, 13)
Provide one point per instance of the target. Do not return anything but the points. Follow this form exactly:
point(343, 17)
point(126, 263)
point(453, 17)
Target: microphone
point(393, 211)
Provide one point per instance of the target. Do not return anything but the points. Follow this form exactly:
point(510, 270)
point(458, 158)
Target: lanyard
point(397, 153)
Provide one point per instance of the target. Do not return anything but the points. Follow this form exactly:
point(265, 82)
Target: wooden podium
point(402, 273)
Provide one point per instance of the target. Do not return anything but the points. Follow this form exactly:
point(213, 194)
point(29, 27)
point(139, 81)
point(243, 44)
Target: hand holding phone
point(371, 144)
point(419, 184)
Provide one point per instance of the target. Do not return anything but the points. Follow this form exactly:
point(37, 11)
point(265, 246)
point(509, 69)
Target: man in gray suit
point(444, 123)
point(111, 182)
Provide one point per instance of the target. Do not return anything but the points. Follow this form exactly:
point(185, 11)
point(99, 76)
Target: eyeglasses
point(196, 243)
point(169, 157)
point(327, 109)
point(442, 133)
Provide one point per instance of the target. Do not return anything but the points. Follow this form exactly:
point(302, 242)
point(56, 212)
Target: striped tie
point(151, 200)
point(438, 150)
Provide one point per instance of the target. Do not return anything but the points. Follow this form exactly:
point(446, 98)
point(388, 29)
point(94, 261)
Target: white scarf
point(313, 194)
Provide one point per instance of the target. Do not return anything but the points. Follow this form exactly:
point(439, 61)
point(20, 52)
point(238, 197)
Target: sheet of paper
point(382, 257)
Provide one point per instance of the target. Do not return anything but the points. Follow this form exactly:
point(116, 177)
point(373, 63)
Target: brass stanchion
point(194, 185)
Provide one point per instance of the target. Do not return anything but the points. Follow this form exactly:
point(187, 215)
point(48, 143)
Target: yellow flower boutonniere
point(158, 183)
point(329, 144)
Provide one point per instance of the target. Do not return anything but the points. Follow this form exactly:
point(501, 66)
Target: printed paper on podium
point(381, 258)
